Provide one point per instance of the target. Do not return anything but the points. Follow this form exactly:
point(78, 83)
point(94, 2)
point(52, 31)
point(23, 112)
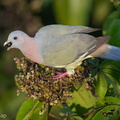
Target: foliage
point(78, 12)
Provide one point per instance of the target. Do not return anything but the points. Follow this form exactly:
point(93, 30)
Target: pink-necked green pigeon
point(62, 46)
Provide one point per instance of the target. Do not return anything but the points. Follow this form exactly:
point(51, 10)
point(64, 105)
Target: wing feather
point(65, 49)
point(55, 30)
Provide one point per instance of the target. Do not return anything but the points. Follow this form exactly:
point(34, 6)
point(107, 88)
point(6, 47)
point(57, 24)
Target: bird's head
point(15, 40)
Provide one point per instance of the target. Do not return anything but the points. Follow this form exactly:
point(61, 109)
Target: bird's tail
point(108, 52)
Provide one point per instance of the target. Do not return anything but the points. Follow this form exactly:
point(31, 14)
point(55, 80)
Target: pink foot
point(60, 75)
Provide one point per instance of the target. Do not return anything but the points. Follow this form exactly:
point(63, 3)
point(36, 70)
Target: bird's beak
point(8, 44)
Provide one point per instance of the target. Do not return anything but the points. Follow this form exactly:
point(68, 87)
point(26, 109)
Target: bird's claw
point(60, 75)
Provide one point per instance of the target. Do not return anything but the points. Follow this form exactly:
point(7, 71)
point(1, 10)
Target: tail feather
point(108, 52)
point(113, 53)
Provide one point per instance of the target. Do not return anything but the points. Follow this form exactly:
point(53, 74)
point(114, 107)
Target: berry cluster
point(37, 81)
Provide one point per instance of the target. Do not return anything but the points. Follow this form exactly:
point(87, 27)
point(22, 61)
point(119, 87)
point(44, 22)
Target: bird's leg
point(60, 75)
point(63, 75)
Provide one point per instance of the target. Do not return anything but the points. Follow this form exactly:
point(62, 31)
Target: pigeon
point(62, 46)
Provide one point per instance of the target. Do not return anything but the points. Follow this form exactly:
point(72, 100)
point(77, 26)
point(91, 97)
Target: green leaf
point(112, 71)
point(113, 85)
point(112, 100)
point(77, 118)
point(59, 111)
point(115, 74)
point(82, 101)
point(101, 87)
point(112, 28)
point(107, 113)
point(114, 15)
point(110, 66)
point(116, 115)
point(31, 110)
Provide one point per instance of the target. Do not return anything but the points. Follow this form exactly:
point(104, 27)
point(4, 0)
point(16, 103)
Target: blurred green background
point(29, 16)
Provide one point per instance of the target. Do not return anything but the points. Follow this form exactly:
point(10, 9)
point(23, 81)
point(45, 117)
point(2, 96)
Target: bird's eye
point(15, 38)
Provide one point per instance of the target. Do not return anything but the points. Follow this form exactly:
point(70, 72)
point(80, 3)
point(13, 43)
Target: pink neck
point(30, 50)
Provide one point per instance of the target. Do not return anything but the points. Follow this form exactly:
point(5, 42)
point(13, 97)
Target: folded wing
point(55, 30)
point(65, 49)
